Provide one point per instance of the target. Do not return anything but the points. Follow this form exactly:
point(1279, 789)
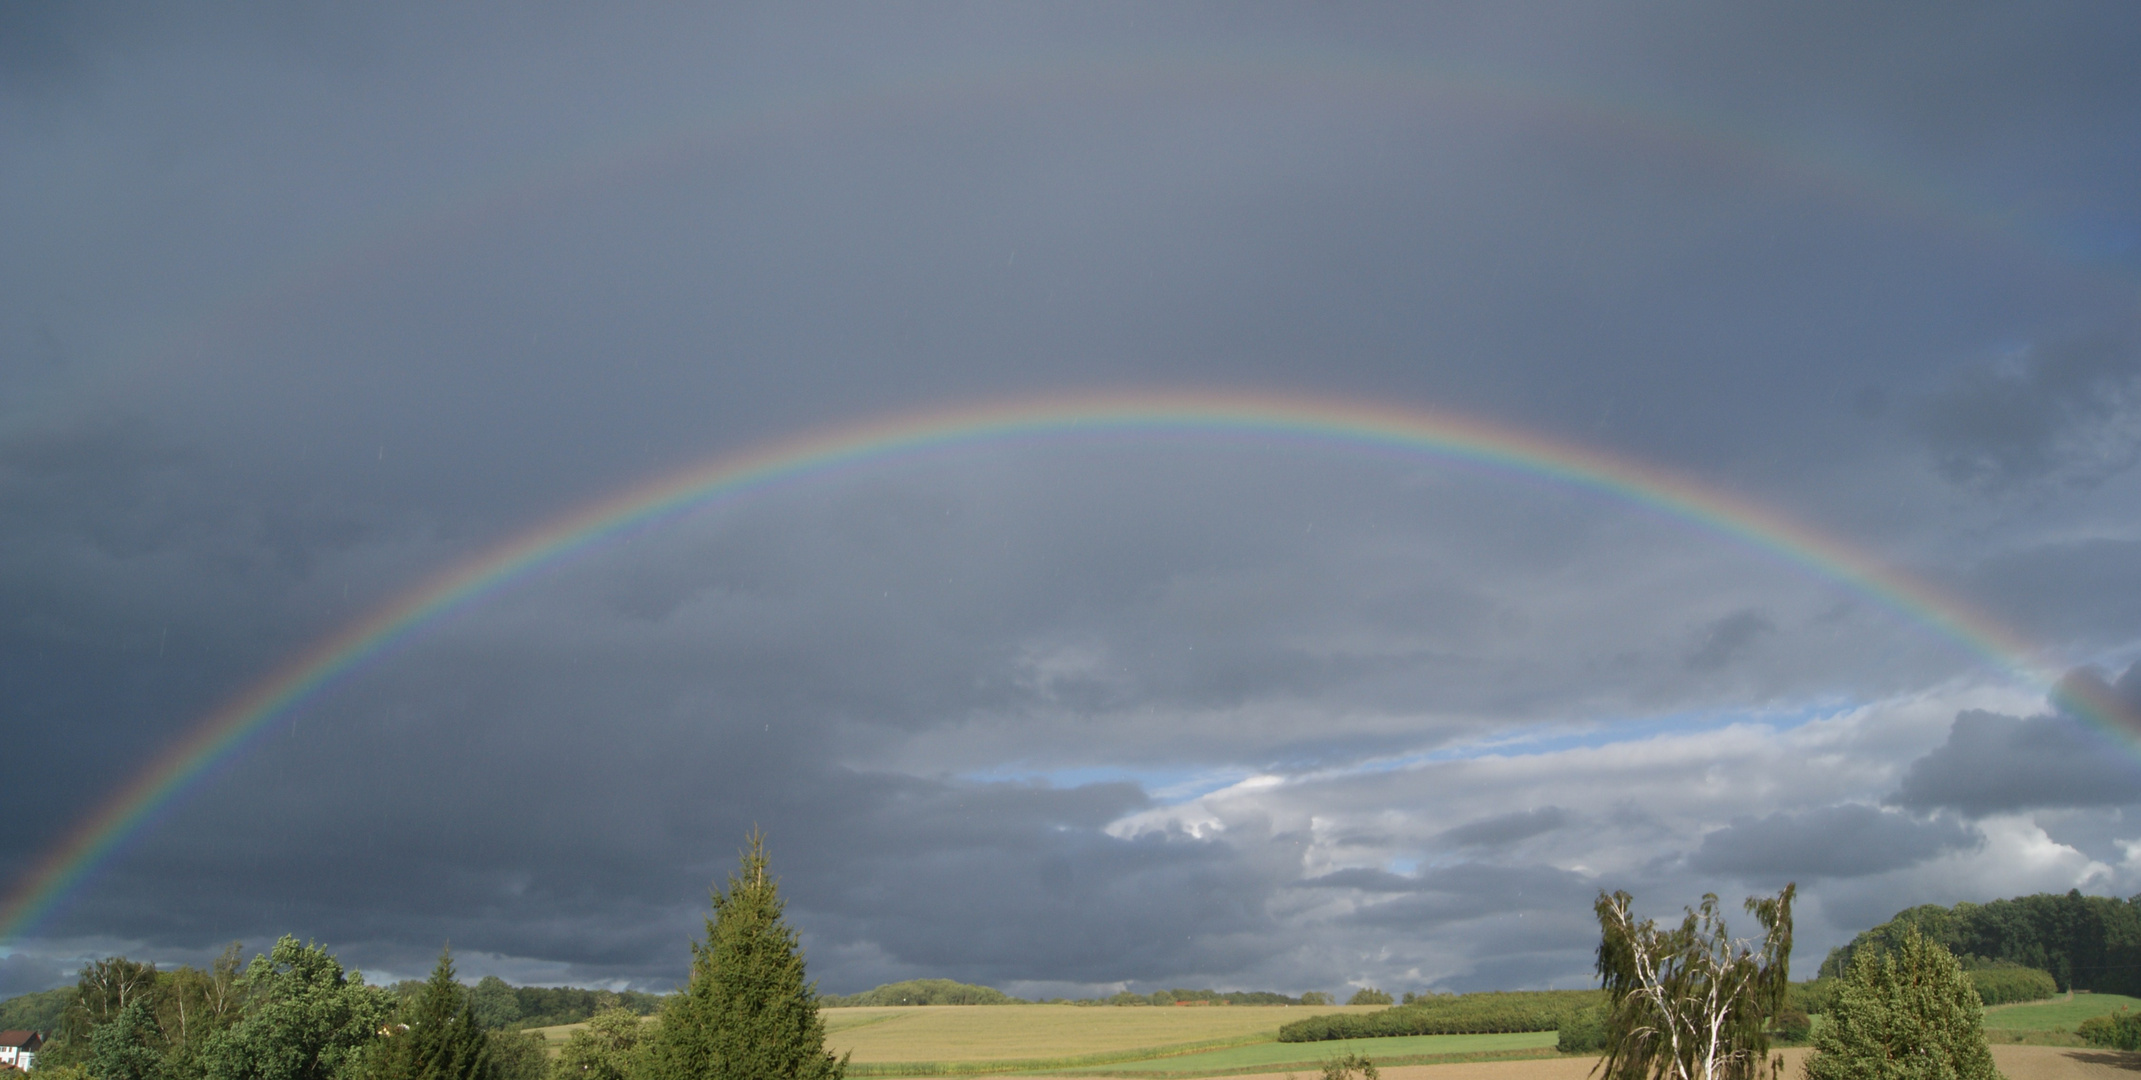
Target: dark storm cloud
point(2068, 412)
point(1831, 842)
point(301, 307)
point(1992, 763)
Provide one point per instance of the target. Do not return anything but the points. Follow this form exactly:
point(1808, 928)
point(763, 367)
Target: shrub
point(2005, 983)
point(1350, 1066)
point(2120, 1030)
point(1583, 1033)
point(1450, 1014)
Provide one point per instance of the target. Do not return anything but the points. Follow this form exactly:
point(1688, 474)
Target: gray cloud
point(1506, 828)
point(300, 309)
point(1728, 638)
point(1849, 840)
point(2067, 412)
point(1992, 763)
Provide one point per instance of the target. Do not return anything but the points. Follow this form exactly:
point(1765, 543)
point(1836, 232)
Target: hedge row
point(2002, 985)
point(1455, 1014)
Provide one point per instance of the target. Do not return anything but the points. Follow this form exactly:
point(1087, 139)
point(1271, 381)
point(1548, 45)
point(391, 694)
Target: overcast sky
point(300, 304)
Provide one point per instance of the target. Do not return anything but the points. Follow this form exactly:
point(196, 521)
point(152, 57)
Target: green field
point(2058, 1014)
point(1273, 1056)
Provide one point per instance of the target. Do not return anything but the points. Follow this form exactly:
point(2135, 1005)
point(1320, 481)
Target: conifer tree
point(1903, 1013)
point(748, 1013)
point(443, 1040)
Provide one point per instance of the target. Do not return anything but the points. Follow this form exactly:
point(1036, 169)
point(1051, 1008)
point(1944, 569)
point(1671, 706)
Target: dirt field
point(982, 1033)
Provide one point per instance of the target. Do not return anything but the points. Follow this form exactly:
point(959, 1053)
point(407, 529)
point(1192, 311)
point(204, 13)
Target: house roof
point(20, 1039)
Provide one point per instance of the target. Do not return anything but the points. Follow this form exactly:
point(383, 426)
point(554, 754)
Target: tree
point(606, 1049)
point(748, 1014)
point(1691, 1003)
point(495, 1003)
point(1368, 995)
point(127, 1046)
point(443, 1040)
point(305, 1019)
point(1905, 1012)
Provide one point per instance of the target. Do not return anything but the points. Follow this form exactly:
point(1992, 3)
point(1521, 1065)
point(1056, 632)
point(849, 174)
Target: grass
point(2058, 1014)
point(1396, 1050)
point(965, 1035)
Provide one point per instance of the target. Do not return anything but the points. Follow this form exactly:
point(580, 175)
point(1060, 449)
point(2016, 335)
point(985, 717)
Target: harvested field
point(953, 1034)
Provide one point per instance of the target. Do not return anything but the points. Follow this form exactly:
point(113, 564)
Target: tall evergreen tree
point(1904, 1013)
point(443, 1040)
point(748, 1013)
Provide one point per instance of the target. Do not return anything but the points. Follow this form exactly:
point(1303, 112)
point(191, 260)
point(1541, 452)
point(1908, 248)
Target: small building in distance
point(19, 1048)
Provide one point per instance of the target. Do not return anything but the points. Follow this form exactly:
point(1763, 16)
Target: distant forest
point(497, 1005)
point(2084, 942)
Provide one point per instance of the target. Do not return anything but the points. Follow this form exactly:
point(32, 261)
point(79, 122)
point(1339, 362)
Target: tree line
point(2083, 942)
point(295, 1013)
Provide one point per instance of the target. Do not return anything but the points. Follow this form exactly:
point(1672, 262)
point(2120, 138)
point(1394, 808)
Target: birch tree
point(1691, 1003)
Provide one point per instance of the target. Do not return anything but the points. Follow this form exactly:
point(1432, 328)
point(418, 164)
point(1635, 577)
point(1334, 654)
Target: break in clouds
point(300, 308)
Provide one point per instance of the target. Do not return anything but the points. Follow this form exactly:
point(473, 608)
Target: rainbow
point(1332, 423)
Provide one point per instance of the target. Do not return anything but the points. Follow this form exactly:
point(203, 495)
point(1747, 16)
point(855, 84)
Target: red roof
point(20, 1040)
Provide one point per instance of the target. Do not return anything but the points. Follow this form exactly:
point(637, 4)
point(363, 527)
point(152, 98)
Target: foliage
point(494, 1003)
point(2083, 942)
point(520, 1055)
point(748, 1013)
point(304, 1019)
point(1450, 1014)
point(1368, 995)
point(1315, 997)
point(1350, 1066)
point(36, 1012)
point(1582, 1032)
point(128, 1045)
point(1691, 1003)
point(606, 1049)
point(921, 992)
point(1814, 995)
point(2007, 983)
point(547, 1006)
point(438, 1037)
point(1904, 1012)
point(2120, 1030)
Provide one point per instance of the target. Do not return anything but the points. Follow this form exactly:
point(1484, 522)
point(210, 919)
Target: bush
point(2120, 1030)
point(1452, 1014)
point(921, 992)
point(1368, 995)
point(1790, 1025)
point(1350, 1066)
point(1583, 1033)
point(2006, 983)
point(1813, 996)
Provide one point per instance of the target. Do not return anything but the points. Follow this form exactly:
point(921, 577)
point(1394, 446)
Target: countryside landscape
point(1473, 540)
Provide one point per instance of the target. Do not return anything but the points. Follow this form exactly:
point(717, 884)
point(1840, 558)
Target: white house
point(19, 1048)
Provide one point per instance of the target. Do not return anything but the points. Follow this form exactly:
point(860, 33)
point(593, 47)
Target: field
point(968, 1035)
point(1181, 1043)
point(2058, 1014)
